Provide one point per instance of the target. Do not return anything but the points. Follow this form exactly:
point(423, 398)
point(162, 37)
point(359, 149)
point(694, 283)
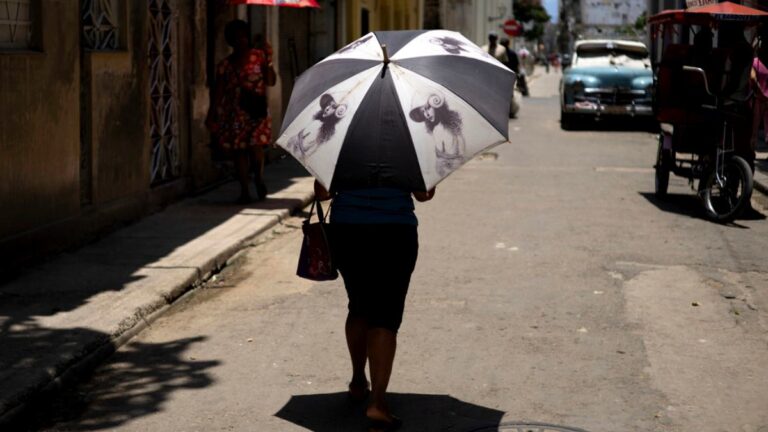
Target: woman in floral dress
point(240, 130)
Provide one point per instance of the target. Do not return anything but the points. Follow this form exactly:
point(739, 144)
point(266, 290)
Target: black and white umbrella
point(398, 109)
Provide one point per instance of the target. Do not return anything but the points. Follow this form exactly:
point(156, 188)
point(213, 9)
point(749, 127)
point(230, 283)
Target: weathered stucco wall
point(200, 159)
point(39, 126)
point(119, 114)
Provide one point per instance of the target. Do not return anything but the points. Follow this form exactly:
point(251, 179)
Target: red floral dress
point(233, 127)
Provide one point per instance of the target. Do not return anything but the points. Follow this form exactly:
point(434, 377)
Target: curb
point(95, 353)
point(761, 187)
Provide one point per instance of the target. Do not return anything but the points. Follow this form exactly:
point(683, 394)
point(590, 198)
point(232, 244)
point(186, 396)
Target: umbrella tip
point(386, 55)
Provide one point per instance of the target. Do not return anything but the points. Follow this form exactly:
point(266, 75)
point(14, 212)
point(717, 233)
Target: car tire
point(567, 120)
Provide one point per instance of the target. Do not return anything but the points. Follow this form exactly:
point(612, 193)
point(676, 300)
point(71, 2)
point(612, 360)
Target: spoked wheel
point(724, 200)
point(663, 164)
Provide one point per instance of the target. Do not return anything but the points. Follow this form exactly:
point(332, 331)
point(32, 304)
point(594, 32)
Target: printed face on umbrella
point(449, 44)
point(322, 128)
point(331, 108)
point(445, 127)
point(435, 111)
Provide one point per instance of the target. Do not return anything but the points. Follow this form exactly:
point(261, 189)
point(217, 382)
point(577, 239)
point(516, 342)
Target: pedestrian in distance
point(759, 84)
point(542, 57)
point(238, 117)
point(494, 49)
point(374, 244)
point(514, 65)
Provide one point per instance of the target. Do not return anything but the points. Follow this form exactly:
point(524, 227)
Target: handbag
point(315, 261)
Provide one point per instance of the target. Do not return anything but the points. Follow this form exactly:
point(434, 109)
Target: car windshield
point(594, 51)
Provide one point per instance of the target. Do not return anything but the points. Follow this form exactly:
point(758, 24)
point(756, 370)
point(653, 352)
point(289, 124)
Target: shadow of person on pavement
point(141, 378)
point(332, 412)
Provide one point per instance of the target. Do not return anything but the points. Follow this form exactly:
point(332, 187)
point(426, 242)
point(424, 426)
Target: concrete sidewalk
point(63, 317)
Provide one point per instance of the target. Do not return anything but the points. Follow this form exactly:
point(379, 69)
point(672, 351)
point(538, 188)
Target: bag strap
point(320, 214)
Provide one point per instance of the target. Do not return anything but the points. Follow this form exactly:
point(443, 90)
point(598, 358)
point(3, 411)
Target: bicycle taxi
point(701, 124)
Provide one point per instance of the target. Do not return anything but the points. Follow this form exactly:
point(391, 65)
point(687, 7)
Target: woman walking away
point(238, 117)
point(374, 242)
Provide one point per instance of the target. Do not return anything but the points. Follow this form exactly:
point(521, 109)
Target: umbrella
point(725, 11)
point(289, 3)
point(399, 109)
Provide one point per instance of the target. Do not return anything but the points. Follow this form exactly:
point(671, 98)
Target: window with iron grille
point(15, 24)
point(101, 24)
point(163, 88)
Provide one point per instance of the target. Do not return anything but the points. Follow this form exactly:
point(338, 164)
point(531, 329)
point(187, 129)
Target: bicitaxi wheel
point(725, 198)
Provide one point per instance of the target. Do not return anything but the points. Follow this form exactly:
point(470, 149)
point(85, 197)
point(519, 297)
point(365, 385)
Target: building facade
point(595, 19)
point(100, 121)
point(104, 101)
point(475, 18)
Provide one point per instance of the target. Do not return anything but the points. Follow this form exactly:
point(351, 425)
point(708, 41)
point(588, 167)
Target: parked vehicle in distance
point(606, 78)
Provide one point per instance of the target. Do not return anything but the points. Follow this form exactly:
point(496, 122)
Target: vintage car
point(606, 77)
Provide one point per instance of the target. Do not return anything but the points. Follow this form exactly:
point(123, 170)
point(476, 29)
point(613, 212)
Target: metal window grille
point(166, 160)
point(100, 21)
point(15, 24)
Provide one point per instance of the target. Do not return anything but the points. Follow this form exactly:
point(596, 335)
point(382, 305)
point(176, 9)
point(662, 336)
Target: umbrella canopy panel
point(355, 120)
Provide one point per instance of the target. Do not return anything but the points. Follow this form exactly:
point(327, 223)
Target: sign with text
point(698, 3)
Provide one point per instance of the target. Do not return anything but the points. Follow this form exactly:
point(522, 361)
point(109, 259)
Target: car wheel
point(567, 120)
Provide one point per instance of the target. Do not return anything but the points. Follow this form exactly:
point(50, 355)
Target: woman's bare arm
point(424, 196)
point(321, 193)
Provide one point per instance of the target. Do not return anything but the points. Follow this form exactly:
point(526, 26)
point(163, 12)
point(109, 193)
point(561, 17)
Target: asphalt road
point(551, 287)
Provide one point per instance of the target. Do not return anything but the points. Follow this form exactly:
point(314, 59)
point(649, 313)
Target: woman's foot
point(261, 189)
point(380, 420)
point(359, 391)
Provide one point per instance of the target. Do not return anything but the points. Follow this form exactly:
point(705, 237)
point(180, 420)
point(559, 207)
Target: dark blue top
point(373, 206)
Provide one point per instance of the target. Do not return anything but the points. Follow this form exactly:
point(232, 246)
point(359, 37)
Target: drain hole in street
point(490, 156)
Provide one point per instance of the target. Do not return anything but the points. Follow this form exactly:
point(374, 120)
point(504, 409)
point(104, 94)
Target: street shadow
point(682, 204)
point(690, 205)
point(762, 164)
point(54, 313)
point(618, 124)
point(333, 412)
point(141, 378)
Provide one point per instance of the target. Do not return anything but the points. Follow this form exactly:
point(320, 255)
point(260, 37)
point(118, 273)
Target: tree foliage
point(527, 11)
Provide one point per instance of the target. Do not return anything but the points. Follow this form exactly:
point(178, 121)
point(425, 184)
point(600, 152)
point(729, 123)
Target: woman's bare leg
point(257, 163)
point(382, 344)
point(356, 330)
point(241, 169)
